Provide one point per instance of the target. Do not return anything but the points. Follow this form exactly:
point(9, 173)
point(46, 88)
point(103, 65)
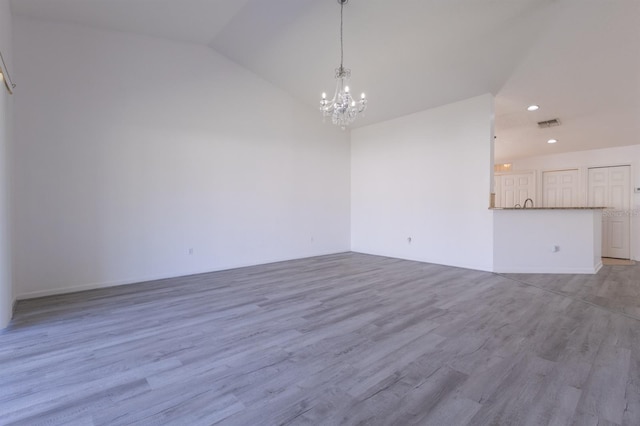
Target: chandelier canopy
point(342, 108)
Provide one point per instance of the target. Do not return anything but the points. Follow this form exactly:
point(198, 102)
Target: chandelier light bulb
point(363, 96)
point(346, 89)
point(324, 95)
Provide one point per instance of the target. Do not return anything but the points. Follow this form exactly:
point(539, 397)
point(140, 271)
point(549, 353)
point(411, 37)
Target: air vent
point(549, 123)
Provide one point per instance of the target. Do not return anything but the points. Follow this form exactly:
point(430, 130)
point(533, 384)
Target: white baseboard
point(443, 262)
point(598, 267)
point(546, 270)
point(116, 283)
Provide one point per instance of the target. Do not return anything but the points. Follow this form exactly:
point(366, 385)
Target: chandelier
point(342, 108)
point(4, 75)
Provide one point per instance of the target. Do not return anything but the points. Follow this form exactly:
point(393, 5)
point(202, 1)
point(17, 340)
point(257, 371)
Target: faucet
point(525, 203)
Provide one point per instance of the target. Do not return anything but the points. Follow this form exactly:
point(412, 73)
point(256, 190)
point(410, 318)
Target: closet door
point(514, 188)
point(560, 188)
point(610, 187)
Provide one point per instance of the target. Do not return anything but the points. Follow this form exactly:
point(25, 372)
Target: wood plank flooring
point(345, 339)
point(616, 287)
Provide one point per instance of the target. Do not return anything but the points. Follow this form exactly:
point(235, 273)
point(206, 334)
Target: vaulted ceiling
point(578, 59)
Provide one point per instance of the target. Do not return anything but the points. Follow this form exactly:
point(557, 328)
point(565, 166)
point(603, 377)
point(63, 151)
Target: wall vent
point(549, 123)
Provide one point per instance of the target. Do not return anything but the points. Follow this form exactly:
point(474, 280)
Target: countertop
point(547, 208)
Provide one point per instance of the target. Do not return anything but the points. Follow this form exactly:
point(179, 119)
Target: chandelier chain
point(341, 38)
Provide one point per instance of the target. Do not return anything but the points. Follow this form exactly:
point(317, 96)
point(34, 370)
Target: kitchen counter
point(547, 208)
point(548, 240)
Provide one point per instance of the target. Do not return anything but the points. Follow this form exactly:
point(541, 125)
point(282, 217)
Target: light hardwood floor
point(343, 339)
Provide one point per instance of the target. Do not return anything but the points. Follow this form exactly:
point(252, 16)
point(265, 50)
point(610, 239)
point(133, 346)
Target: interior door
point(514, 188)
point(560, 188)
point(610, 187)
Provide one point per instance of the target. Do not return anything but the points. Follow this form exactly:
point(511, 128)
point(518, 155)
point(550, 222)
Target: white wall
point(583, 160)
point(6, 290)
point(427, 177)
point(132, 150)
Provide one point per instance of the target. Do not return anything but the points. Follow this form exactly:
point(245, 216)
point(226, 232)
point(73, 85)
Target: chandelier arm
point(330, 103)
point(336, 93)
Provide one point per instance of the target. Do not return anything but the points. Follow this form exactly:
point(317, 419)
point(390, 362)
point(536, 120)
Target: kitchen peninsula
point(547, 240)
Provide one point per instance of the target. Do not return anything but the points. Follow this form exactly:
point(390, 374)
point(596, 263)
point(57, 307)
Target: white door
point(610, 187)
point(560, 188)
point(514, 188)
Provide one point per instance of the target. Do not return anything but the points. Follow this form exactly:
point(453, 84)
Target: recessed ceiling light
point(533, 108)
point(552, 141)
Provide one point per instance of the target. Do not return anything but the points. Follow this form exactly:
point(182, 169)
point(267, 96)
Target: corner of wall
point(402, 174)
point(6, 135)
point(276, 189)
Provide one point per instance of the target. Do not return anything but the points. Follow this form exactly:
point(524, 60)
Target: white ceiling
point(578, 59)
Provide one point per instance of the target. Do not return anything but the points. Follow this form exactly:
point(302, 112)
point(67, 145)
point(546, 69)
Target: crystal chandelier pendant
point(342, 108)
